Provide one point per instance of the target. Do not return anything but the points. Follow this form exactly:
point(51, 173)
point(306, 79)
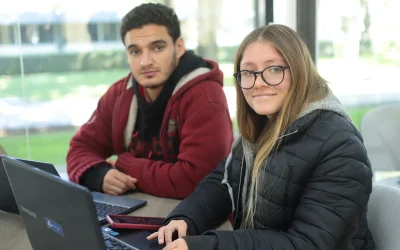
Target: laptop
point(7, 201)
point(104, 203)
point(59, 214)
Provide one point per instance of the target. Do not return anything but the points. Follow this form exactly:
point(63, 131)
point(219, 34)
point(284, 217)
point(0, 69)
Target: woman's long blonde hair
point(306, 86)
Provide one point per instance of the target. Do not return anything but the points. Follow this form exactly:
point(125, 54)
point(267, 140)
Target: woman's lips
point(264, 95)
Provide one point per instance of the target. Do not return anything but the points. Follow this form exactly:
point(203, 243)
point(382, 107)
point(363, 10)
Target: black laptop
point(59, 214)
point(7, 200)
point(104, 203)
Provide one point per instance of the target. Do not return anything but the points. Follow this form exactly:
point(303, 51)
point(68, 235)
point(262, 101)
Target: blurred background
point(57, 57)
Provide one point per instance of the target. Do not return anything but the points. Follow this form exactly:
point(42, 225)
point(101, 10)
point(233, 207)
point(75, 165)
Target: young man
point(167, 121)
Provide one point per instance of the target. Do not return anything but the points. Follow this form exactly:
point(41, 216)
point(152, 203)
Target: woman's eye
point(275, 70)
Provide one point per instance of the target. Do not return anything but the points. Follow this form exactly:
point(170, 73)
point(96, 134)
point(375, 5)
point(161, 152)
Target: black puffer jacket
point(313, 194)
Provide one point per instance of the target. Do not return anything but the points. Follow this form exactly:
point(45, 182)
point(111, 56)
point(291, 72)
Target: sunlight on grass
point(35, 97)
point(89, 91)
point(4, 82)
point(56, 94)
point(61, 79)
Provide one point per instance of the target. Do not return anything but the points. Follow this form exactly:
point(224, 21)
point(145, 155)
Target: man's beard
point(171, 69)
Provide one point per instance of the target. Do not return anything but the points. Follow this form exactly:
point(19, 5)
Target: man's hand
point(112, 162)
point(116, 183)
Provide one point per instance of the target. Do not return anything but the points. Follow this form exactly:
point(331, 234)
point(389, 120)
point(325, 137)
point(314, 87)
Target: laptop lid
point(61, 215)
point(105, 204)
point(57, 214)
point(7, 200)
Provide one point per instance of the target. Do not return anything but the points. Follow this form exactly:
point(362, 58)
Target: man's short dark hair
point(151, 13)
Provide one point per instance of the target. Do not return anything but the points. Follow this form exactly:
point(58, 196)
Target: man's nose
point(146, 59)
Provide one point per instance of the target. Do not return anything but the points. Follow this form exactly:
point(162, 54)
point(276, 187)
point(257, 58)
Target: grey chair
point(384, 218)
point(380, 129)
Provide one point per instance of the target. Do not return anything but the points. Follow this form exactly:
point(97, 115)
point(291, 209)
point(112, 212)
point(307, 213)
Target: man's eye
point(159, 48)
point(135, 52)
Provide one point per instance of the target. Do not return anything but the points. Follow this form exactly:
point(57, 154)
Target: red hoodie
point(197, 114)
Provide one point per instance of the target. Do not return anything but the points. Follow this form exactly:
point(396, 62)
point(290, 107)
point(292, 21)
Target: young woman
point(297, 178)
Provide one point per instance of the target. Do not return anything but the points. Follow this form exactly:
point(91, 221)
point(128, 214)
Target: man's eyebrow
point(152, 43)
point(159, 41)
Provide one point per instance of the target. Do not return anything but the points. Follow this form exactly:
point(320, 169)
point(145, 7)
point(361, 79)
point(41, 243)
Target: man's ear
point(180, 47)
point(128, 58)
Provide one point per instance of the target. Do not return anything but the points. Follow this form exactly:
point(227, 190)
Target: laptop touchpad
point(137, 238)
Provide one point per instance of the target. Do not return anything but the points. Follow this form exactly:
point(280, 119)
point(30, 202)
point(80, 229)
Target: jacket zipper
point(291, 133)
point(163, 130)
point(240, 180)
point(238, 196)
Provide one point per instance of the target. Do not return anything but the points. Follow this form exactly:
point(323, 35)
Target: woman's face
point(263, 98)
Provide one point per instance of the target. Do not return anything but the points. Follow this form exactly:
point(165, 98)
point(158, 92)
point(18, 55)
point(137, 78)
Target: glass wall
point(56, 61)
point(359, 53)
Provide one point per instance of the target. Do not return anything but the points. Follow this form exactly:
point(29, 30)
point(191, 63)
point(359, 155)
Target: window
point(51, 83)
point(46, 33)
point(7, 34)
point(111, 32)
point(359, 53)
point(30, 34)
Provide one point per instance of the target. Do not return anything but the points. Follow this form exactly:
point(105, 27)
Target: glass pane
point(359, 53)
point(56, 62)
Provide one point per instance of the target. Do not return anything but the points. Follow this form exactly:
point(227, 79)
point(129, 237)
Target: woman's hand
point(165, 233)
point(179, 244)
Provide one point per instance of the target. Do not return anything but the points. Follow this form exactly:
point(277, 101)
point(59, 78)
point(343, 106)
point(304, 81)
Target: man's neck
point(153, 93)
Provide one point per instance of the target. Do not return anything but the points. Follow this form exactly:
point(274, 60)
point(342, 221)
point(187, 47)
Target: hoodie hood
point(197, 76)
point(329, 103)
point(200, 75)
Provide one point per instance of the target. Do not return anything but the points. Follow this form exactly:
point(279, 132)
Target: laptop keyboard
point(104, 209)
point(113, 244)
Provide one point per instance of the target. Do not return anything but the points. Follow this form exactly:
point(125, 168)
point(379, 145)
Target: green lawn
point(357, 114)
point(52, 86)
point(49, 146)
point(52, 146)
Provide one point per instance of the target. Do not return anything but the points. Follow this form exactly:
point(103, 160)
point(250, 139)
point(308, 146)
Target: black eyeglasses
point(272, 75)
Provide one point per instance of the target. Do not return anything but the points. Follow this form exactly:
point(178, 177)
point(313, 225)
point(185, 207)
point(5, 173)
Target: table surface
point(13, 235)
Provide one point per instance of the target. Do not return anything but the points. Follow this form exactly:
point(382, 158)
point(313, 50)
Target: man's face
point(152, 55)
